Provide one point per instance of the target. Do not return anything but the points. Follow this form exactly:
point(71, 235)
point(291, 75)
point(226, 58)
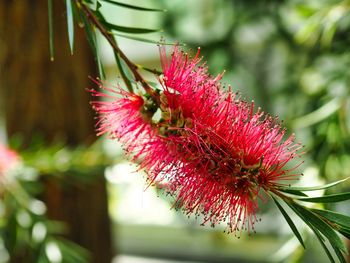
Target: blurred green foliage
point(26, 232)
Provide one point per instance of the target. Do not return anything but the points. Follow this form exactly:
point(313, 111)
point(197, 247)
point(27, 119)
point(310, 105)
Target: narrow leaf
point(327, 198)
point(345, 232)
point(311, 218)
point(133, 30)
point(290, 222)
point(98, 60)
point(90, 34)
point(100, 16)
point(313, 188)
point(334, 217)
point(154, 71)
point(318, 115)
point(51, 31)
point(318, 226)
point(70, 25)
point(122, 72)
point(145, 40)
point(320, 239)
point(339, 254)
point(293, 192)
point(134, 7)
point(93, 4)
point(91, 37)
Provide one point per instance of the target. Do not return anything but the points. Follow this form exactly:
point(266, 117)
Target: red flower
point(213, 151)
point(8, 158)
point(122, 117)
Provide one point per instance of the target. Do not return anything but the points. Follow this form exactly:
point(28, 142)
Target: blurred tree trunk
point(48, 100)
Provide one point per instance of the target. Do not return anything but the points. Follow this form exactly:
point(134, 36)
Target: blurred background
point(78, 199)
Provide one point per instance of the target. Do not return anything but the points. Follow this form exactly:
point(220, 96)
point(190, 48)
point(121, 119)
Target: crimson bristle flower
point(214, 152)
point(8, 159)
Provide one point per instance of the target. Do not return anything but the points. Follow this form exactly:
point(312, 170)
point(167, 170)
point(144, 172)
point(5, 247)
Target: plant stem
point(133, 67)
point(282, 196)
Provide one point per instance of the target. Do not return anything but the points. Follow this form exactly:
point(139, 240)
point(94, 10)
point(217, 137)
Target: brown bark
point(42, 97)
point(48, 100)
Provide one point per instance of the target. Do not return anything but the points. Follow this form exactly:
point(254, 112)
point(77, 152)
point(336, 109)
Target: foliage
point(25, 229)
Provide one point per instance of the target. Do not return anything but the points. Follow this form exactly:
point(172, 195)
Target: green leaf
point(91, 37)
point(123, 70)
point(345, 232)
point(51, 31)
point(144, 40)
point(339, 254)
point(154, 71)
point(313, 219)
point(313, 188)
point(334, 217)
point(90, 34)
point(72, 252)
point(320, 239)
point(327, 198)
point(134, 7)
point(133, 30)
point(293, 192)
point(328, 33)
point(318, 226)
point(101, 70)
point(93, 4)
point(290, 222)
point(320, 114)
point(70, 25)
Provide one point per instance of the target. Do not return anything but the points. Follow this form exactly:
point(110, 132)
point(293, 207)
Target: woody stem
point(133, 67)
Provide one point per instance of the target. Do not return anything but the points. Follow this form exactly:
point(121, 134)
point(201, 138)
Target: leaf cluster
point(324, 223)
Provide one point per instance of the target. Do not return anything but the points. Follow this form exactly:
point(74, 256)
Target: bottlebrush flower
point(215, 152)
point(8, 159)
point(122, 117)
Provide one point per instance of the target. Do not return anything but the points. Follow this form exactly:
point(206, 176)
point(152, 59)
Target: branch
point(133, 67)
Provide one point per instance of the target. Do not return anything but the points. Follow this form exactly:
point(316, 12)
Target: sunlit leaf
point(318, 115)
point(327, 198)
point(72, 252)
point(158, 42)
point(345, 232)
point(328, 33)
point(313, 188)
point(293, 192)
point(70, 24)
point(133, 6)
point(133, 30)
point(305, 10)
